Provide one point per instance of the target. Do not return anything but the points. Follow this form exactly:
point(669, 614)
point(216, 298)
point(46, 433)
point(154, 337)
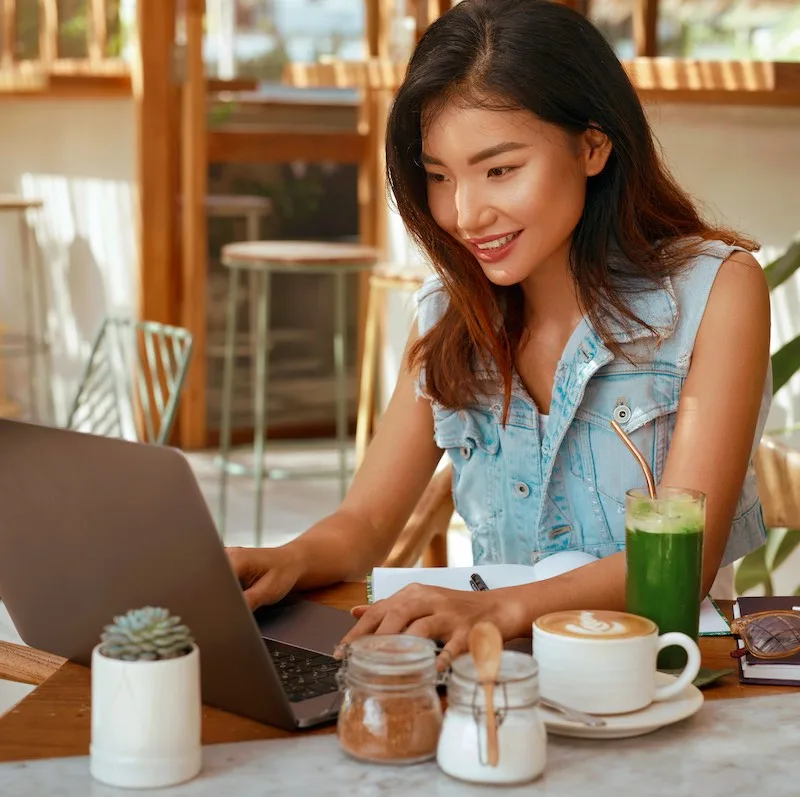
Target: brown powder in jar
point(390, 728)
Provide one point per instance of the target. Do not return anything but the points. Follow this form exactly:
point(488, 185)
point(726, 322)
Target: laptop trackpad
point(304, 624)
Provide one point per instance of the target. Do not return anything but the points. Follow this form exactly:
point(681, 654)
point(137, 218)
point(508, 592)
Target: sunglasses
point(768, 635)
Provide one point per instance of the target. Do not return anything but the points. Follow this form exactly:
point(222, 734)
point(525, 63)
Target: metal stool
point(263, 258)
point(382, 279)
point(252, 209)
point(33, 340)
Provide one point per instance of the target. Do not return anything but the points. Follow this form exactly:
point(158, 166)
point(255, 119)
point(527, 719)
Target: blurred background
point(140, 138)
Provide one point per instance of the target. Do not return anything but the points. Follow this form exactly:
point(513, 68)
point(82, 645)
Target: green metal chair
point(133, 381)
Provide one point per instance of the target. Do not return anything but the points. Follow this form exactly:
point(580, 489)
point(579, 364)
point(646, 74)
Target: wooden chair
point(425, 534)
point(778, 472)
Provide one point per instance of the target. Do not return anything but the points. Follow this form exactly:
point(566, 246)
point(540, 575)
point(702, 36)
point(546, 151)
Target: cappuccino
point(596, 624)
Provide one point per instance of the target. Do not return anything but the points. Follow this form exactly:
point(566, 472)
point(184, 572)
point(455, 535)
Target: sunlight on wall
point(85, 233)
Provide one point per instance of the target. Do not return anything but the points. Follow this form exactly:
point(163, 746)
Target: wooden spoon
point(486, 647)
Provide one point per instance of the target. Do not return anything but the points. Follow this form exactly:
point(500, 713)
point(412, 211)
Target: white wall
point(743, 164)
point(79, 157)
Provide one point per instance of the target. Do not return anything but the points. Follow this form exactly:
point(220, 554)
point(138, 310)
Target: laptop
point(91, 527)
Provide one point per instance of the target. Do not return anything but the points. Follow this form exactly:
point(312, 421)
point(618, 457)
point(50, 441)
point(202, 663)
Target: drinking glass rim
point(673, 495)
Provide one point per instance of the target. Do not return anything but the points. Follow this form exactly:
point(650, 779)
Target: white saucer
point(637, 723)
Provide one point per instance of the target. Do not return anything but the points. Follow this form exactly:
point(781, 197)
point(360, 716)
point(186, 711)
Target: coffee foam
point(595, 624)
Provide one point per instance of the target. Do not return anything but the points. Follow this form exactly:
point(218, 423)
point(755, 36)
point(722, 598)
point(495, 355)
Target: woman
point(575, 283)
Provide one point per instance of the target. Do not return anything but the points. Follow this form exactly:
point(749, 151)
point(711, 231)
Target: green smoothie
point(664, 554)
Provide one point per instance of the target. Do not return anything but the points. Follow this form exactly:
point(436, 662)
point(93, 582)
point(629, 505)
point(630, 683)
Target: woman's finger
point(399, 615)
point(270, 588)
point(454, 648)
point(434, 626)
point(367, 624)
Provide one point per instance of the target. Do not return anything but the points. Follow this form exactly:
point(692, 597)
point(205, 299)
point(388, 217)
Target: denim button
point(622, 413)
point(522, 489)
point(465, 451)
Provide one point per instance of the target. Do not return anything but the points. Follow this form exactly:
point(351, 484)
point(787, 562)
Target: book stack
point(782, 672)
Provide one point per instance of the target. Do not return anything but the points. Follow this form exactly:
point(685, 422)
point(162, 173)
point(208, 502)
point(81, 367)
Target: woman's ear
point(596, 149)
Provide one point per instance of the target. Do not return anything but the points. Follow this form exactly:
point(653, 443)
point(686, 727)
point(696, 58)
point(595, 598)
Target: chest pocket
point(471, 439)
point(644, 403)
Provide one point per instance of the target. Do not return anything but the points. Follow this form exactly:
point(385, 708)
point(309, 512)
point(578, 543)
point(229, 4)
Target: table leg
point(340, 368)
point(227, 389)
point(260, 398)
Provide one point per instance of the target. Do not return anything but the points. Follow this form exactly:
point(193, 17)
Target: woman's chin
point(501, 276)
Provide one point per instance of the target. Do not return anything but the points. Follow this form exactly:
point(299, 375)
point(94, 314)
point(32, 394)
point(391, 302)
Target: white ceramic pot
point(146, 721)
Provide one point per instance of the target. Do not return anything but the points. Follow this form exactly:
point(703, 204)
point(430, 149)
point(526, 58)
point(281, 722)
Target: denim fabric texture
point(523, 497)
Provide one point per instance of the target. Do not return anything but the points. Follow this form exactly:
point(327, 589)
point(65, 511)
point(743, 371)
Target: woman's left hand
point(437, 613)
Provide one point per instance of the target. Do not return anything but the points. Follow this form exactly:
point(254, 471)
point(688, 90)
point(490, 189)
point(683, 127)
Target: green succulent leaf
point(146, 634)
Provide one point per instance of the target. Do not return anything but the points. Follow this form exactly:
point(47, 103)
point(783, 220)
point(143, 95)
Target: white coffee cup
point(604, 662)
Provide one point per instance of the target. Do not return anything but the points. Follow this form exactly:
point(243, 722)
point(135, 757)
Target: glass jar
point(521, 733)
point(390, 712)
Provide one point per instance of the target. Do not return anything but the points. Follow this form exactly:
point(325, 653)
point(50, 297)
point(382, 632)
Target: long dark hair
point(638, 226)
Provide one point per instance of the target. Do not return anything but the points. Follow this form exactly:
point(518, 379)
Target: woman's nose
point(473, 214)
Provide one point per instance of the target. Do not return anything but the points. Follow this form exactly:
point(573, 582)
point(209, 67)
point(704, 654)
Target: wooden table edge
point(53, 720)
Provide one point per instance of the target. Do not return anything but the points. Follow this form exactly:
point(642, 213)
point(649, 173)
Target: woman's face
point(507, 186)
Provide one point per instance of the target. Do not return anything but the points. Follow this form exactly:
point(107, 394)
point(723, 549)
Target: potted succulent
point(146, 702)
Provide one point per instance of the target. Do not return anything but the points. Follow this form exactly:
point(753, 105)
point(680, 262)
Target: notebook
point(780, 672)
point(385, 581)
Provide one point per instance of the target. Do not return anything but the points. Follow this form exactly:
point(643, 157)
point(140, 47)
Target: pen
point(477, 583)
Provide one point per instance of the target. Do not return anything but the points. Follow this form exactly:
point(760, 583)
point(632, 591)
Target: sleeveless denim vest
point(524, 498)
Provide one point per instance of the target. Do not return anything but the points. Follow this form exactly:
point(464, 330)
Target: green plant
point(147, 634)
point(757, 569)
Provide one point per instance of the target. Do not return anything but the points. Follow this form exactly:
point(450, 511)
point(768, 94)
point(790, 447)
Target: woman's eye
point(435, 178)
point(500, 171)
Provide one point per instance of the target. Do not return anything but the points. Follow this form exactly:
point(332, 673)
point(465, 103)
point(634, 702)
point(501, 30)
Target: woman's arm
point(710, 451)
point(346, 545)
point(398, 465)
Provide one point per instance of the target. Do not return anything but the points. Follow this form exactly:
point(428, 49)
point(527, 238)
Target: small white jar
point(522, 737)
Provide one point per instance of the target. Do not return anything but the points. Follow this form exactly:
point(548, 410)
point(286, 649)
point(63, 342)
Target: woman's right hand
point(266, 574)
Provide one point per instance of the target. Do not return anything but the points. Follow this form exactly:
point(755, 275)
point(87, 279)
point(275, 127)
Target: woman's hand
point(266, 574)
point(437, 613)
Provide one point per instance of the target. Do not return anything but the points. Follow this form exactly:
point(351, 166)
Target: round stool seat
point(12, 202)
point(299, 255)
point(391, 276)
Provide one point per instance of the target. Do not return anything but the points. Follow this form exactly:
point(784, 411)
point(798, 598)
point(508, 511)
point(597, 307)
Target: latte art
point(596, 624)
point(593, 626)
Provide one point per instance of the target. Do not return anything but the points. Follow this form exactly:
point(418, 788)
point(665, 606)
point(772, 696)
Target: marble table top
point(747, 746)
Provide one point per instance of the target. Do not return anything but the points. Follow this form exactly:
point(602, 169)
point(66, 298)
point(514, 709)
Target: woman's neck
point(550, 295)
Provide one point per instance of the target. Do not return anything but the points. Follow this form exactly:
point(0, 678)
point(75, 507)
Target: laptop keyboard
point(304, 674)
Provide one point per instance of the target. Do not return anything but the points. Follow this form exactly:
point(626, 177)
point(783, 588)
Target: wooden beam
point(97, 31)
point(48, 31)
point(645, 28)
point(9, 42)
point(372, 12)
point(194, 166)
point(283, 146)
point(156, 134)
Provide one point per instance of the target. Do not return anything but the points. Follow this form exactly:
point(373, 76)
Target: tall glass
point(664, 556)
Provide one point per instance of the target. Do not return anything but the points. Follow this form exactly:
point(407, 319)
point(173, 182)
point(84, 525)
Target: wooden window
point(63, 46)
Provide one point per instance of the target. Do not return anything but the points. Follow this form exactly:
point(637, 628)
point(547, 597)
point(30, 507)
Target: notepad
point(385, 581)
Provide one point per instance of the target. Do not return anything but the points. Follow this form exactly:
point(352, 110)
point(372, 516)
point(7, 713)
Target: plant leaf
point(780, 269)
point(785, 363)
point(752, 571)
point(780, 544)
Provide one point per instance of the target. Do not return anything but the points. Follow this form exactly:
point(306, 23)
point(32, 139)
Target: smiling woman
point(575, 284)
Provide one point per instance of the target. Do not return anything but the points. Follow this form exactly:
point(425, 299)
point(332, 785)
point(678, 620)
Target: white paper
point(387, 581)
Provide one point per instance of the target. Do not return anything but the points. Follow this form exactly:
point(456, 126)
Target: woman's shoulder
point(432, 301)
